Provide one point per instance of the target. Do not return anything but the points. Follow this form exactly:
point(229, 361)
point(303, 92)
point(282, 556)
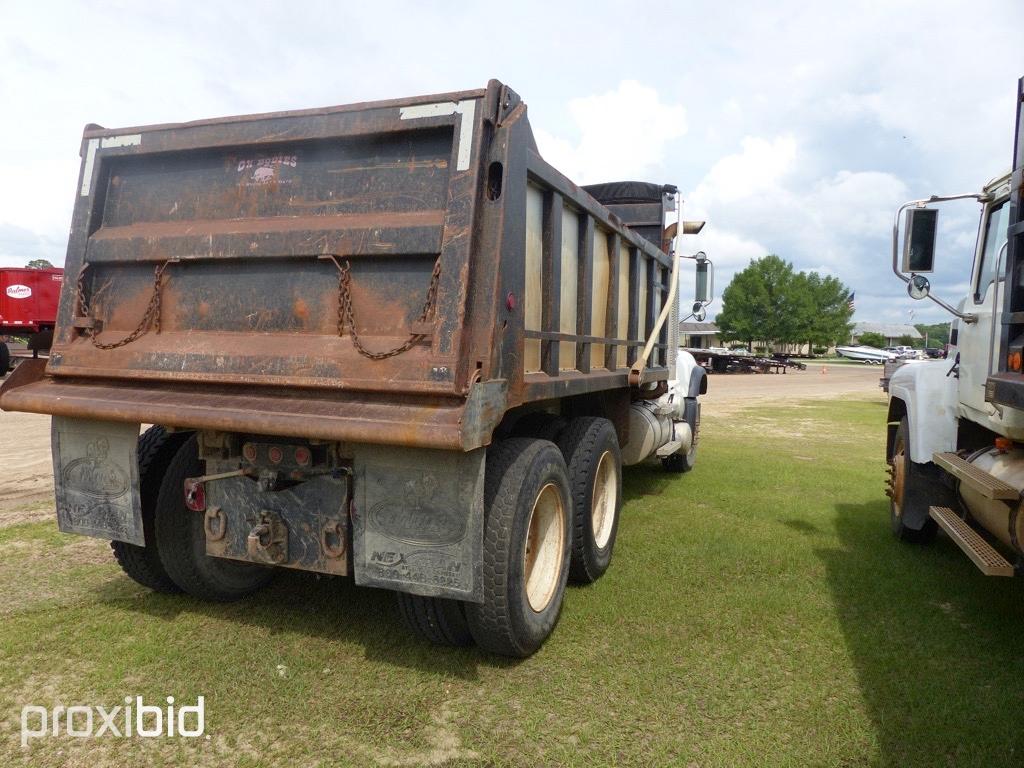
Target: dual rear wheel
point(174, 558)
point(551, 515)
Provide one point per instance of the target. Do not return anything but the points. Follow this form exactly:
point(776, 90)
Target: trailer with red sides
point(28, 308)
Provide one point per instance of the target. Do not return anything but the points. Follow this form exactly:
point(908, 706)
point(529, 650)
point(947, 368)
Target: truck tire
point(435, 619)
point(5, 359)
point(684, 462)
point(527, 540)
point(156, 448)
point(181, 540)
point(591, 451)
point(912, 490)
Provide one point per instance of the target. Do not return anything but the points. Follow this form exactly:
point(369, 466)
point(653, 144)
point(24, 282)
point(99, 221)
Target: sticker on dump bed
point(19, 291)
point(96, 478)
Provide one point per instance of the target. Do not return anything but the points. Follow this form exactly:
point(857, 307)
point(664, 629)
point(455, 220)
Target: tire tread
point(156, 448)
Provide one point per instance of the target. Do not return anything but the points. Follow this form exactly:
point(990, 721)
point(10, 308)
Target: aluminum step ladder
point(988, 559)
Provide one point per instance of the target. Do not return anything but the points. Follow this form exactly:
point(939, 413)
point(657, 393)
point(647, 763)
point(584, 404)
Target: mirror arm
point(980, 197)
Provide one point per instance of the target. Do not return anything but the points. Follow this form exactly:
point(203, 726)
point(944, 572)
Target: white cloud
point(623, 134)
point(756, 170)
point(792, 127)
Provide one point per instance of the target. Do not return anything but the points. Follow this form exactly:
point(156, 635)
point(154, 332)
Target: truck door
point(977, 343)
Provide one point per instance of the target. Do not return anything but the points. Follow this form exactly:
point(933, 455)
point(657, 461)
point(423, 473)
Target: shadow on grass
point(331, 608)
point(335, 608)
point(647, 479)
point(935, 645)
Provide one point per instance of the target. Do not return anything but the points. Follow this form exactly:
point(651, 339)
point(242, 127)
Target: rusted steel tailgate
point(253, 273)
point(251, 221)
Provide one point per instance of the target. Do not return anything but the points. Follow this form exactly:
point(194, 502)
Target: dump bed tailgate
point(286, 249)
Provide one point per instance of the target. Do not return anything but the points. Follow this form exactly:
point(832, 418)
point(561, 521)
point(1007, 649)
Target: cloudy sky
point(794, 128)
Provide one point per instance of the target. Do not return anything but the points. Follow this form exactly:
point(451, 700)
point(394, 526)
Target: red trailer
point(28, 308)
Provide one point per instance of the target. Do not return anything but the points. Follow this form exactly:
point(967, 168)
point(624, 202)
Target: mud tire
point(156, 448)
point(181, 540)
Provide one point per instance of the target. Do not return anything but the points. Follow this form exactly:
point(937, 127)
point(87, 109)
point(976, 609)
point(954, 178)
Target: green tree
point(830, 323)
point(937, 334)
point(906, 340)
point(870, 339)
point(769, 301)
point(39, 264)
point(757, 304)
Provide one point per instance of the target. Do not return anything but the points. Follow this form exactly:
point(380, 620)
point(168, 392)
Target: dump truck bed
point(391, 272)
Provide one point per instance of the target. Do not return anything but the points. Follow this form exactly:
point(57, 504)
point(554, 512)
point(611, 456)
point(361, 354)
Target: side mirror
point(918, 288)
point(704, 290)
point(919, 240)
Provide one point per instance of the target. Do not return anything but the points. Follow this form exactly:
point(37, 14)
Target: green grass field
point(757, 612)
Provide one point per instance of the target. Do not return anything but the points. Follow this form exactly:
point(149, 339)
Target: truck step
point(974, 478)
point(669, 448)
point(982, 554)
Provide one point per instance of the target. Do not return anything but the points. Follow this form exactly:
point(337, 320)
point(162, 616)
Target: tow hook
point(333, 529)
point(215, 524)
point(268, 540)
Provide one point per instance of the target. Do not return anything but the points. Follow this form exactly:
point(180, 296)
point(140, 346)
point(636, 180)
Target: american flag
point(850, 303)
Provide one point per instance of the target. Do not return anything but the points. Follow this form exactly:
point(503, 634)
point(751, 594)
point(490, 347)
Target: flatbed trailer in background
point(386, 340)
point(731, 362)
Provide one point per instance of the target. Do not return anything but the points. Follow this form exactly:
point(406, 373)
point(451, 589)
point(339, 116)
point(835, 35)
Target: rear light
point(195, 494)
point(1003, 444)
point(249, 452)
point(275, 454)
point(302, 456)
point(1013, 361)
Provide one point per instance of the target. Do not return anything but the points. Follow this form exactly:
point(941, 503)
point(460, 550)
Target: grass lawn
point(757, 612)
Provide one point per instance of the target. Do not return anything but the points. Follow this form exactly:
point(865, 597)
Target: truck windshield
point(995, 236)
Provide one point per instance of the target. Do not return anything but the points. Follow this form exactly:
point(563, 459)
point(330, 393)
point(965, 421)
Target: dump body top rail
point(219, 263)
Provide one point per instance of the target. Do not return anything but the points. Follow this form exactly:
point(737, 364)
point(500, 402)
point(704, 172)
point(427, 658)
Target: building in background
point(699, 335)
point(891, 331)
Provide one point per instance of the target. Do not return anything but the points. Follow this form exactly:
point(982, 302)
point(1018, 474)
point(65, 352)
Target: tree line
point(770, 301)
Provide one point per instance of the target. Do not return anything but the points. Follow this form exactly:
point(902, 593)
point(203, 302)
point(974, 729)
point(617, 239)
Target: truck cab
point(955, 427)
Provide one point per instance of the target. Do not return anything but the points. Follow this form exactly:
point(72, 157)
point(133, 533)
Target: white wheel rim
point(545, 543)
point(604, 499)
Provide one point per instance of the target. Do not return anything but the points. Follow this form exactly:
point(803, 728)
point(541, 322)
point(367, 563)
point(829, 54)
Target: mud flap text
point(96, 479)
point(418, 521)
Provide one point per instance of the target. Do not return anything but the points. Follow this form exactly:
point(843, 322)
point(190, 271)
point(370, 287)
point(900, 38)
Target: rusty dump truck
point(385, 340)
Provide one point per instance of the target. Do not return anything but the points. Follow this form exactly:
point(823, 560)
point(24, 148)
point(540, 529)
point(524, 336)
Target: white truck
point(955, 444)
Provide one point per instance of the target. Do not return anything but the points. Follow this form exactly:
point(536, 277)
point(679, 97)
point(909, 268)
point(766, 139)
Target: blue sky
point(792, 127)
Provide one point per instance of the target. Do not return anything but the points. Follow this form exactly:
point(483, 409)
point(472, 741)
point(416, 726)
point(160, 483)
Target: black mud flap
point(418, 521)
point(96, 478)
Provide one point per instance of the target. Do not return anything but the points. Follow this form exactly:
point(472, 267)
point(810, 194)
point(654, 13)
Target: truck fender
point(928, 398)
point(690, 376)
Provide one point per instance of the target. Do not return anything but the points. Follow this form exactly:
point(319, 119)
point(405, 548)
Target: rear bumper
point(398, 419)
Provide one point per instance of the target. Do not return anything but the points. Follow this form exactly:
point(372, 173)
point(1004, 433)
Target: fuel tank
point(1003, 519)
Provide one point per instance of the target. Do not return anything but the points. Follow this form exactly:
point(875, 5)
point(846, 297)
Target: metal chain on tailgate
point(151, 317)
point(346, 313)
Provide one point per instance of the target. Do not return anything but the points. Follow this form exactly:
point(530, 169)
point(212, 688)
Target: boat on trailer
point(871, 355)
